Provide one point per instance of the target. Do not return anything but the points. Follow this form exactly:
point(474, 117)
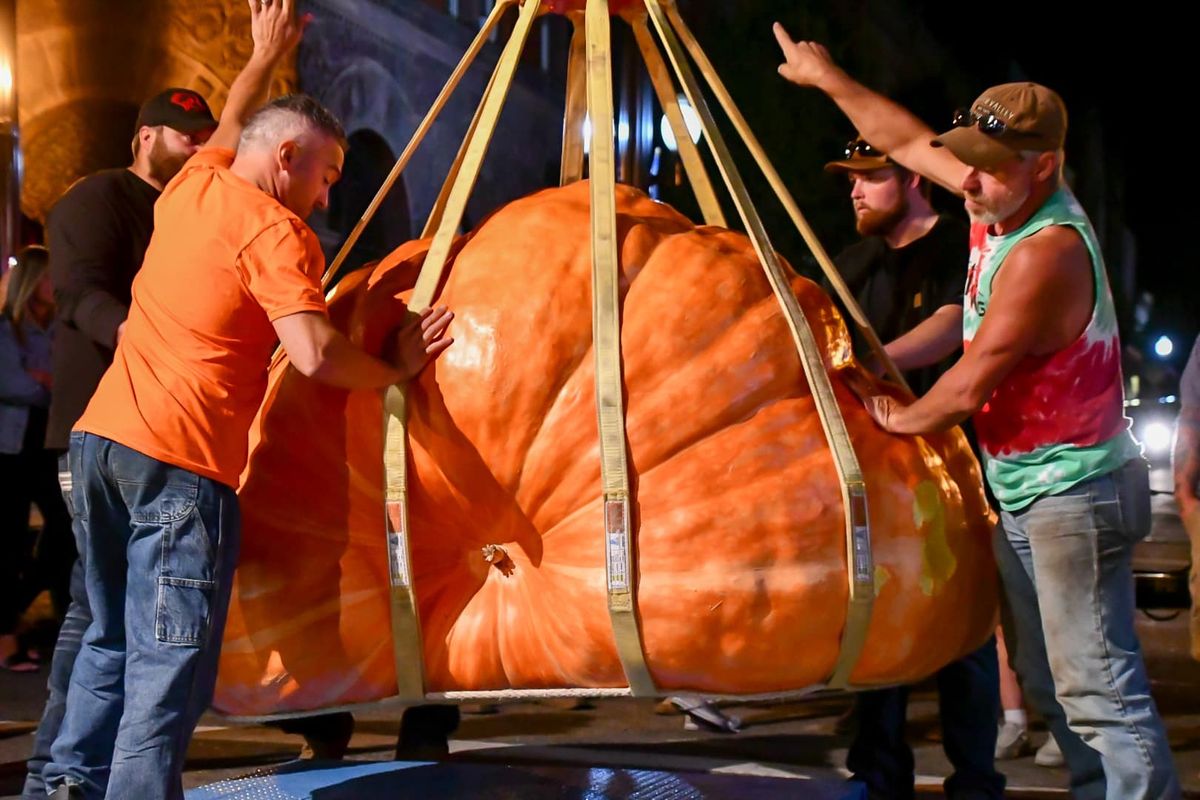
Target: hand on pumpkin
point(805, 63)
point(421, 339)
point(883, 409)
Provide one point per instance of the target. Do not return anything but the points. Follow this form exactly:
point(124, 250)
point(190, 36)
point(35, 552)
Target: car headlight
point(1156, 436)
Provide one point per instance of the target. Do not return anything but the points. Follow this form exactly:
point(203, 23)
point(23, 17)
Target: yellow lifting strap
point(407, 650)
point(785, 197)
point(406, 629)
point(414, 142)
point(689, 154)
point(619, 541)
point(575, 108)
point(439, 205)
point(854, 499)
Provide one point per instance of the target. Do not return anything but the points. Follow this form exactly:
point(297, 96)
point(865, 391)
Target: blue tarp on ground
point(401, 780)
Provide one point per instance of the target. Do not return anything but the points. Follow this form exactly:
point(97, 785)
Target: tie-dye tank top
point(1057, 419)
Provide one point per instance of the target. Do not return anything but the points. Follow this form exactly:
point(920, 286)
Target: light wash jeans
point(1065, 561)
point(159, 548)
point(66, 649)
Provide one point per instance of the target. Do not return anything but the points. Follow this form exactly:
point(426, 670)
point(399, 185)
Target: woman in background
point(28, 472)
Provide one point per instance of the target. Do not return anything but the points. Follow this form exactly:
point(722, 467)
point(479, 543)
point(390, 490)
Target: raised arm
point(887, 126)
point(276, 31)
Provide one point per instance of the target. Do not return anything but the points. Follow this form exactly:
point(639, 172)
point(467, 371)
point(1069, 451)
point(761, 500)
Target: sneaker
point(1049, 754)
point(1012, 741)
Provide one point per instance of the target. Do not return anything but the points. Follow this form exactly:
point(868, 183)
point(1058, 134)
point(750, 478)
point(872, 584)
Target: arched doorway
point(368, 162)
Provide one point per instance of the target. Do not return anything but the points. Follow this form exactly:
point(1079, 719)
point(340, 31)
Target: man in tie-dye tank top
point(1041, 376)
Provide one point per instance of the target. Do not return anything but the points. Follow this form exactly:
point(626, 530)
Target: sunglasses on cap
point(988, 123)
point(862, 148)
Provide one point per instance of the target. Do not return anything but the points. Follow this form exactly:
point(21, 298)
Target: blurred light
point(1163, 347)
point(1156, 436)
point(587, 134)
point(690, 118)
point(623, 132)
point(7, 97)
point(12, 261)
point(1168, 399)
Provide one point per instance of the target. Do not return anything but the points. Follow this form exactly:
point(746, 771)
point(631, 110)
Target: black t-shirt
point(97, 235)
point(900, 288)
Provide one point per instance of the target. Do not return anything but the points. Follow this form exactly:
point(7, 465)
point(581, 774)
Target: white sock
point(1016, 717)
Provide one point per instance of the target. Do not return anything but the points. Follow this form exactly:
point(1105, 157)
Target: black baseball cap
point(181, 109)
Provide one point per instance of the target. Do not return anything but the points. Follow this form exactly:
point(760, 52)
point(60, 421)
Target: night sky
point(1127, 68)
point(1136, 65)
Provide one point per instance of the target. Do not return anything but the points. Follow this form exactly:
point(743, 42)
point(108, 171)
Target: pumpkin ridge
point(732, 424)
point(536, 502)
point(627, 224)
point(548, 413)
point(773, 389)
point(763, 310)
point(543, 649)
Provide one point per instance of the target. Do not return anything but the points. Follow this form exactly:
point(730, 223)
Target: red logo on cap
point(188, 102)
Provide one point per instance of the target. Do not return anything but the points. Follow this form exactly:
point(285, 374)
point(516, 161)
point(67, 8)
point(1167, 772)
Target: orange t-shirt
point(225, 261)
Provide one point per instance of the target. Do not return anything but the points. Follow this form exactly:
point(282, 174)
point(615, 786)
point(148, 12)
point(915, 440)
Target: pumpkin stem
point(497, 556)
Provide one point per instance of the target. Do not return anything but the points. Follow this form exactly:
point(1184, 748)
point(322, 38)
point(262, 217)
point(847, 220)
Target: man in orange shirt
point(231, 269)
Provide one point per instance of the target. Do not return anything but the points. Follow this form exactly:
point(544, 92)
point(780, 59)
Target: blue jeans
point(159, 546)
point(1065, 561)
point(968, 699)
point(66, 648)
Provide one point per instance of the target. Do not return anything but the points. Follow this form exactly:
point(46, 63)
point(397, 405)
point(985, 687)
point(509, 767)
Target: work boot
point(425, 731)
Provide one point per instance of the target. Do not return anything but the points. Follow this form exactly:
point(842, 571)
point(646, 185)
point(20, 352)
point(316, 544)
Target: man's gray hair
point(288, 117)
point(1060, 156)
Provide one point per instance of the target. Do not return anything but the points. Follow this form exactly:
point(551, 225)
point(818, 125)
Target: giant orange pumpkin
point(741, 559)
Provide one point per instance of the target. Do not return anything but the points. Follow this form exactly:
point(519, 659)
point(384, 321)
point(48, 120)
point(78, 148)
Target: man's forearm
point(888, 126)
point(275, 32)
point(935, 339)
point(928, 416)
point(249, 89)
point(1186, 460)
point(248, 92)
point(342, 364)
point(950, 401)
